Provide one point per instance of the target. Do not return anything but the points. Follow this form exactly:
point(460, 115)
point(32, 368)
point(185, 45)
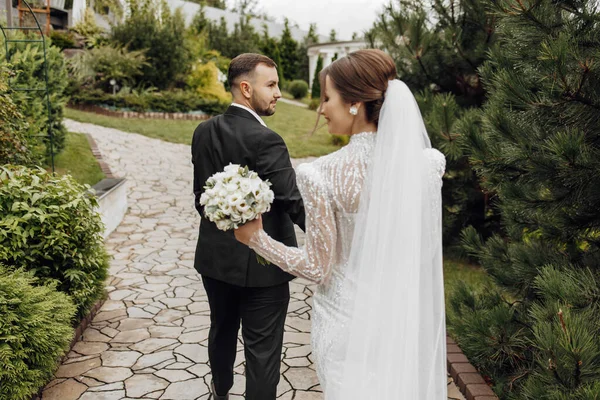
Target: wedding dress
point(333, 189)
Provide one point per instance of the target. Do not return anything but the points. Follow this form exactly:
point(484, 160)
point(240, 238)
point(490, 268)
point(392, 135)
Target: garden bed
point(198, 116)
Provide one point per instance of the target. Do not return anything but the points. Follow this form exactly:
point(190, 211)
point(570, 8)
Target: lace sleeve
point(313, 262)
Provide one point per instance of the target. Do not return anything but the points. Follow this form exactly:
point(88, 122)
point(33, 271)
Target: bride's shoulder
point(437, 160)
point(307, 171)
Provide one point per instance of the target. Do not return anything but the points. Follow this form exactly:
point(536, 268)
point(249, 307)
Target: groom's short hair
point(244, 64)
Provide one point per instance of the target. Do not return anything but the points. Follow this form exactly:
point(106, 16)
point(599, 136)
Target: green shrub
point(27, 60)
point(14, 148)
point(204, 79)
point(91, 32)
point(98, 66)
point(48, 225)
point(298, 89)
point(35, 331)
point(314, 104)
point(151, 26)
point(143, 101)
point(340, 140)
point(62, 40)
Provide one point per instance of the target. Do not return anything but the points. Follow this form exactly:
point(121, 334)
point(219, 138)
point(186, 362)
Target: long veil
point(396, 335)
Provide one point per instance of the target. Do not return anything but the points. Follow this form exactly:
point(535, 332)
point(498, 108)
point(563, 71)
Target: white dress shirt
point(251, 111)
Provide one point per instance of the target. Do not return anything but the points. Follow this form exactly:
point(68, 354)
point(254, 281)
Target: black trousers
point(262, 313)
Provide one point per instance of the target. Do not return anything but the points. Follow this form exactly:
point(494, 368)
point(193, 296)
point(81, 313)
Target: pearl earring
point(354, 110)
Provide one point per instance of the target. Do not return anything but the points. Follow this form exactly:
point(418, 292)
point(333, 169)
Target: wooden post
point(9, 21)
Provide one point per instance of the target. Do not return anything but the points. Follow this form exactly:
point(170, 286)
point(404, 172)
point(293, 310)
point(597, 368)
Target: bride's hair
point(361, 76)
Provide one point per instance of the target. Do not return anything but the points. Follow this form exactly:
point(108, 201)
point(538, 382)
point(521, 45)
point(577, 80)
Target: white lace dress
point(331, 189)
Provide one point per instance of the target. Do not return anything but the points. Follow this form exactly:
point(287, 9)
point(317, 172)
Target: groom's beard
point(264, 109)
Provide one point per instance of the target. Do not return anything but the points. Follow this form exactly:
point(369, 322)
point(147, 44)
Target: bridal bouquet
point(235, 196)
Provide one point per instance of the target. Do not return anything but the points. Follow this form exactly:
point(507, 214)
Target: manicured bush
point(298, 89)
point(35, 330)
point(143, 101)
point(48, 225)
point(340, 140)
point(204, 79)
point(314, 104)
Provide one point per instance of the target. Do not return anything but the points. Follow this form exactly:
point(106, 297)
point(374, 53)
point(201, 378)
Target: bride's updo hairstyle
point(361, 76)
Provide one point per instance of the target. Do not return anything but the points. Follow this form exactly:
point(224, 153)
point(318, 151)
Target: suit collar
point(241, 112)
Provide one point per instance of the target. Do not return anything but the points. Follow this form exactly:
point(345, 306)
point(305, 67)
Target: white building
point(328, 51)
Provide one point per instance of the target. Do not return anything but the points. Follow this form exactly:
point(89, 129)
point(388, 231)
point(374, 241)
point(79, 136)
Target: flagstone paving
point(149, 340)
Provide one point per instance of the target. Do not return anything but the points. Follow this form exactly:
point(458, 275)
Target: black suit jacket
point(237, 137)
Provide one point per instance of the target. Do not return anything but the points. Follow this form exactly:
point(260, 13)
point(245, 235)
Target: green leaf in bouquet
point(261, 260)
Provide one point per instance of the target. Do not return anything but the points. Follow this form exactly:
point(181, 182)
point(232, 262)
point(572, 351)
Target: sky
point(345, 16)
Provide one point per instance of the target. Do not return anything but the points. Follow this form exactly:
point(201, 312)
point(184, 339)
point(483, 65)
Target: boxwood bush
point(35, 330)
point(166, 101)
point(298, 89)
point(48, 225)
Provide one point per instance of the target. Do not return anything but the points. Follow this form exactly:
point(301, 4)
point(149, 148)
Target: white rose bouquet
point(235, 196)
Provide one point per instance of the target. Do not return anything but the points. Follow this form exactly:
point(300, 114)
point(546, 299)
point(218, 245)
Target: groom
point(238, 288)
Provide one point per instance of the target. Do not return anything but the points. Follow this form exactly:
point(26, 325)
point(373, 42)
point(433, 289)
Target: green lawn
point(77, 160)
point(287, 95)
point(455, 271)
point(291, 122)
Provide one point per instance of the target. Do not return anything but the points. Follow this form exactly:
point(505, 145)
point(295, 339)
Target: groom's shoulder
point(268, 136)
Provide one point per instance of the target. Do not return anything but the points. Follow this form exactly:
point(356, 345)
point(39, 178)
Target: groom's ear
point(246, 89)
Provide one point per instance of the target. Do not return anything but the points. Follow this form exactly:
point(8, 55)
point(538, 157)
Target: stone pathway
point(149, 340)
point(293, 102)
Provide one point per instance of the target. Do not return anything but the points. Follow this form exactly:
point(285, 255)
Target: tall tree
point(289, 52)
point(538, 148)
point(310, 39)
point(315, 92)
point(152, 27)
point(438, 46)
point(333, 36)
point(221, 4)
point(270, 47)
point(245, 7)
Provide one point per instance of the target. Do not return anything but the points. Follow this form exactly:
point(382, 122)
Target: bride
point(373, 240)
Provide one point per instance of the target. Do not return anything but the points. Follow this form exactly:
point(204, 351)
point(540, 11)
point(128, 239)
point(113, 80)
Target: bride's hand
point(245, 232)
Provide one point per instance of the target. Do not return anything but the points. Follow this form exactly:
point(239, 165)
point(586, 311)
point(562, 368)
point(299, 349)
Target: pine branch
point(422, 66)
point(512, 381)
point(586, 71)
point(462, 53)
point(441, 10)
point(526, 12)
point(491, 30)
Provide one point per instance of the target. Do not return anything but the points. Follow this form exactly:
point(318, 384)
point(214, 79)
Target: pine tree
point(270, 47)
point(438, 46)
point(538, 335)
point(245, 7)
point(211, 3)
point(289, 55)
point(333, 36)
point(316, 84)
point(244, 38)
point(310, 39)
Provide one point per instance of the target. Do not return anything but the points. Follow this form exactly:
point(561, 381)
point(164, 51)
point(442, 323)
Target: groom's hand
point(245, 232)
